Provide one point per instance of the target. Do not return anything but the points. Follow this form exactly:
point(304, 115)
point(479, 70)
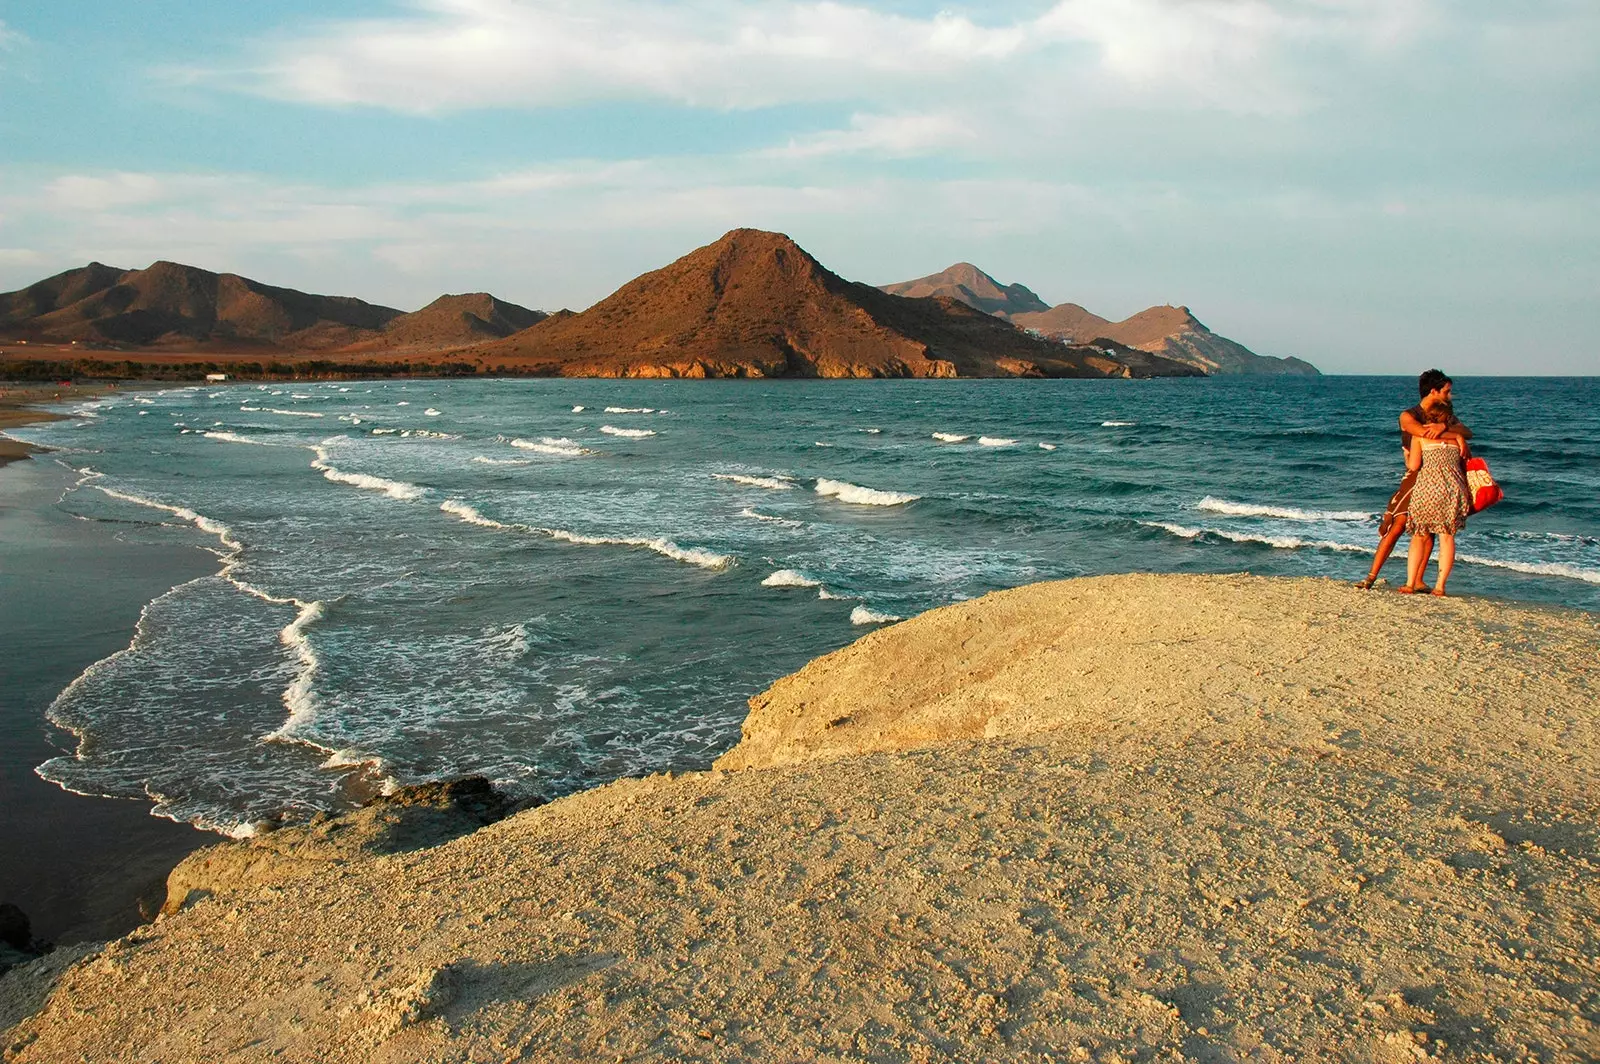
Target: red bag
point(1480, 483)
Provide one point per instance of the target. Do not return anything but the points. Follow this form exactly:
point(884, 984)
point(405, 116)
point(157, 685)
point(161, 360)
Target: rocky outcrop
point(756, 304)
point(413, 818)
point(1122, 818)
point(17, 944)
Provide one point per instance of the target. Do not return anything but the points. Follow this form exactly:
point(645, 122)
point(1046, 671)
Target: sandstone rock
point(413, 818)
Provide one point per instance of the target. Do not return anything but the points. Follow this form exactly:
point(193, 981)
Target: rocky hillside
point(755, 304)
point(972, 286)
point(173, 305)
point(1172, 332)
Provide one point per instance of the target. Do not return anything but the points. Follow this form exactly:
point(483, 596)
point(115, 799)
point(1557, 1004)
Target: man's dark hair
point(1430, 381)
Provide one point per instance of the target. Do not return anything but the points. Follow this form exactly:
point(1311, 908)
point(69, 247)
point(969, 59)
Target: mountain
point(172, 305)
point(455, 321)
point(755, 304)
point(972, 286)
point(1172, 332)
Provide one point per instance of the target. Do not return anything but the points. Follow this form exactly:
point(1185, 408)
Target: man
point(1434, 388)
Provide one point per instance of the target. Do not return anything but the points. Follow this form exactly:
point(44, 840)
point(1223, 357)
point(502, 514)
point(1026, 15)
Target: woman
point(1440, 502)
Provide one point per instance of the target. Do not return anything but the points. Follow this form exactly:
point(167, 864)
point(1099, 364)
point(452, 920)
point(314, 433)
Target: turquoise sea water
point(557, 583)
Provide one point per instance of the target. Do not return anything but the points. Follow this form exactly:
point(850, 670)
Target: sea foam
point(395, 489)
point(1561, 569)
point(632, 434)
point(1279, 542)
point(697, 556)
point(846, 492)
point(629, 410)
point(552, 445)
point(1285, 513)
point(995, 441)
point(770, 483)
point(862, 615)
point(790, 578)
point(234, 437)
point(950, 437)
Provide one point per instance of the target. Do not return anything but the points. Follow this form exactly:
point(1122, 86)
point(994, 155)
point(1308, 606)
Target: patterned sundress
point(1440, 500)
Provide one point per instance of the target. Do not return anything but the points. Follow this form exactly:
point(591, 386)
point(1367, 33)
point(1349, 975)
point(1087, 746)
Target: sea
point(557, 583)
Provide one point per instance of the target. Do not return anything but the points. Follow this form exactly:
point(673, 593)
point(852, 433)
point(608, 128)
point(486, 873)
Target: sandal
point(1437, 592)
point(1405, 589)
point(1366, 585)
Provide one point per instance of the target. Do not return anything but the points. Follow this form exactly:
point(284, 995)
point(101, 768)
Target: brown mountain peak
point(975, 288)
point(756, 304)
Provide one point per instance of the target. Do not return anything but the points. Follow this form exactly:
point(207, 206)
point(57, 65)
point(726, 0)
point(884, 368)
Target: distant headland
point(753, 304)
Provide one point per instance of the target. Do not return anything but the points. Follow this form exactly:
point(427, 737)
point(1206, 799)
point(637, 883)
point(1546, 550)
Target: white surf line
point(790, 578)
point(855, 493)
point(696, 556)
point(297, 697)
point(862, 615)
point(1285, 513)
point(1279, 542)
point(770, 483)
point(632, 434)
point(395, 489)
point(233, 437)
point(1560, 569)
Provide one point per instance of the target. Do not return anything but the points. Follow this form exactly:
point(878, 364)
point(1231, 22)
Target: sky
point(1377, 186)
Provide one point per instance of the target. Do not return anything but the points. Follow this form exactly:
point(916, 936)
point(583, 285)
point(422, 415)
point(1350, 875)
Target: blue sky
point(1374, 185)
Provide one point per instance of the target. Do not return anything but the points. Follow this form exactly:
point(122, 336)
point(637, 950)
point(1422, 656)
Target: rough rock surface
point(413, 818)
point(1216, 819)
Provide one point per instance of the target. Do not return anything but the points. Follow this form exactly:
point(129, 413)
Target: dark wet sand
point(70, 594)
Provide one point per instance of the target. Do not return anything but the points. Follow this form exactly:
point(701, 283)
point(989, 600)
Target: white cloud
point(890, 136)
point(447, 55)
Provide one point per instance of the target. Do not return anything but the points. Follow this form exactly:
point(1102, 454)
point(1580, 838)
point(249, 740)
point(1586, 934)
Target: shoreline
point(1098, 819)
point(83, 867)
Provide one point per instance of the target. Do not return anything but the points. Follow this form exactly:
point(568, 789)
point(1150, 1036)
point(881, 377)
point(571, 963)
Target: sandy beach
point(1110, 819)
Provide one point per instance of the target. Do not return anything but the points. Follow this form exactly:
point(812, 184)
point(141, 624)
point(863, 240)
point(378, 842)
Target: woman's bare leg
point(1447, 561)
point(1417, 561)
point(1385, 548)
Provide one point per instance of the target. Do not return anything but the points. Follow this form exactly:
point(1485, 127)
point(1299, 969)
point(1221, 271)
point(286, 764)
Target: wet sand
point(70, 593)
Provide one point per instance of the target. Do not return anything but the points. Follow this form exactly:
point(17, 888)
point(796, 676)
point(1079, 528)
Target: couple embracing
point(1434, 499)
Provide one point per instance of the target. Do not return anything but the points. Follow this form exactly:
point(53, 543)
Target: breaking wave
point(1280, 542)
point(845, 492)
point(626, 410)
point(395, 489)
point(862, 615)
point(632, 434)
point(1285, 513)
point(697, 556)
point(1561, 569)
point(790, 578)
point(1117, 424)
point(770, 483)
point(995, 441)
point(234, 437)
point(552, 445)
point(950, 437)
